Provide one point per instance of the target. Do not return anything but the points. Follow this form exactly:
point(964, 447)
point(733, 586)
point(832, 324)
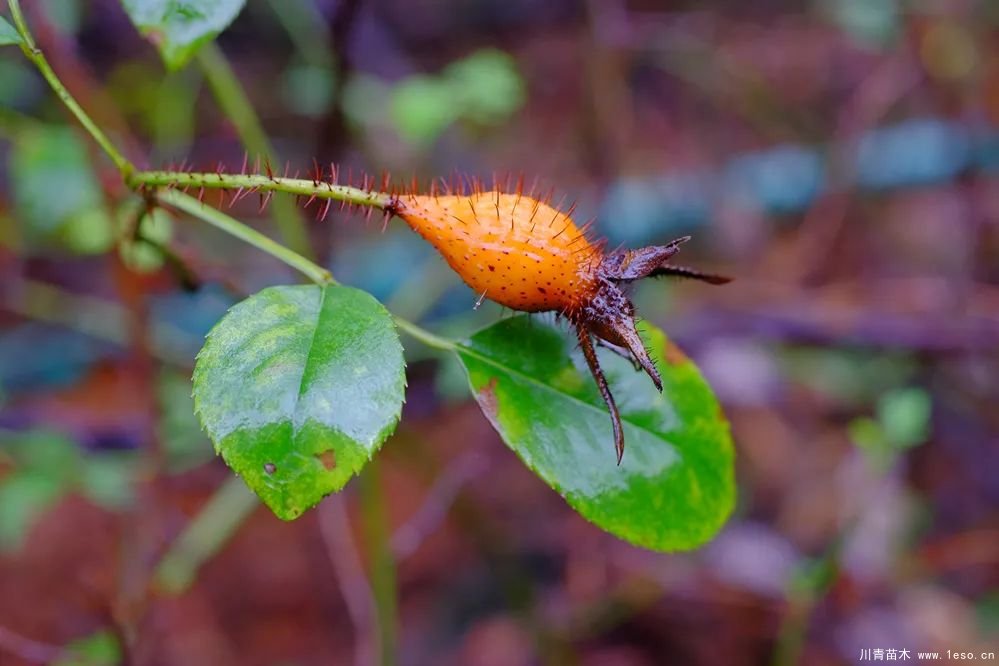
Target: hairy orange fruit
point(529, 256)
point(513, 249)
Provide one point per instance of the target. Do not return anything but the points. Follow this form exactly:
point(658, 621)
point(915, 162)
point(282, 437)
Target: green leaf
point(298, 387)
point(423, 107)
point(905, 416)
point(45, 469)
point(106, 479)
point(179, 27)
point(486, 86)
point(675, 487)
point(23, 499)
point(8, 35)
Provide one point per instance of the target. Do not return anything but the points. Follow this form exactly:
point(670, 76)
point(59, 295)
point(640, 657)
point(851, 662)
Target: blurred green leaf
point(483, 88)
point(106, 479)
point(56, 192)
point(423, 107)
point(23, 498)
point(903, 421)
point(298, 387)
point(8, 35)
point(47, 453)
point(88, 232)
point(868, 436)
point(867, 433)
point(99, 649)
point(487, 85)
point(675, 487)
point(45, 466)
point(905, 416)
point(178, 27)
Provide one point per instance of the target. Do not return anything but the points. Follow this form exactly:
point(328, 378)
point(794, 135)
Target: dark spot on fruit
point(492, 269)
point(542, 290)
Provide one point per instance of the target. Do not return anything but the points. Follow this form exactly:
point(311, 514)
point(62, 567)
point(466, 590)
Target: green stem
point(423, 335)
point(233, 227)
point(232, 99)
point(313, 271)
point(260, 183)
point(34, 54)
point(233, 502)
point(164, 180)
point(205, 535)
point(382, 563)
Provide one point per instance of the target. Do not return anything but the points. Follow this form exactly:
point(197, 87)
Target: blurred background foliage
point(840, 158)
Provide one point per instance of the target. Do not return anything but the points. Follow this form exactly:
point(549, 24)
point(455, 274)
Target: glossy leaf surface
point(675, 487)
point(8, 35)
point(298, 387)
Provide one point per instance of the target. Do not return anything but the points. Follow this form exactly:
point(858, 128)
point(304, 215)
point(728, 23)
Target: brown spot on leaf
point(155, 36)
point(487, 399)
point(270, 467)
point(327, 458)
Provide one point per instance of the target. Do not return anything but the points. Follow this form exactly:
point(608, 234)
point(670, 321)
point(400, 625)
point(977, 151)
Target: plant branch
point(232, 98)
point(313, 271)
point(205, 535)
point(233, 227)
point(162, 181)
point(260, 183)
point(34, 54)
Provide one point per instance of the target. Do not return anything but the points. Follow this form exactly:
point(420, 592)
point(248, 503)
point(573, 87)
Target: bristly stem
point(232, 99)
point(34, 54)
point(159, 185)
point(233, 227)
point(319, 189)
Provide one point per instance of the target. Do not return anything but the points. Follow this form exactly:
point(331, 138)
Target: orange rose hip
point(515, 250)
point(527, 255)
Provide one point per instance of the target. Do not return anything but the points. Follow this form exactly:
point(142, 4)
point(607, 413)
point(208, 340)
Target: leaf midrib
point(324, 290)
point(552, 389)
